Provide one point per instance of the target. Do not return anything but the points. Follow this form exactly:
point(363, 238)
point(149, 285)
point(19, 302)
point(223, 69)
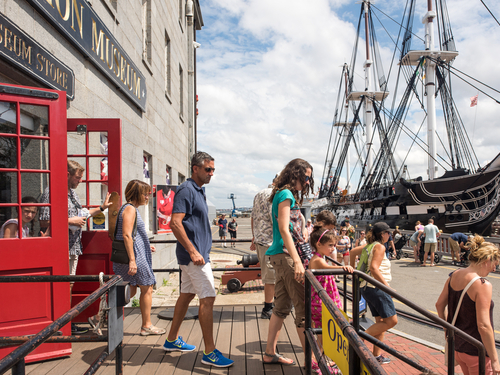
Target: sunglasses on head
point(208, 169)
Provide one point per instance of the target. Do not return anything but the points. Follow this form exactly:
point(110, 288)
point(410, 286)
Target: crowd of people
point(282, 237)
point(279, 235)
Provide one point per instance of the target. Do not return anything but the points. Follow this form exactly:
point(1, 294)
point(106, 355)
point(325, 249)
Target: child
point(343, 246)
point(323, 243)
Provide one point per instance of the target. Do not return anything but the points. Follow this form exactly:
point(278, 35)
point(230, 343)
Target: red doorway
point(32, 135)
point(96, 145)
point(35, 139)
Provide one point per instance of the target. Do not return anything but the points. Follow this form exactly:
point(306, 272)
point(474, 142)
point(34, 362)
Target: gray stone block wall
point(159, 131)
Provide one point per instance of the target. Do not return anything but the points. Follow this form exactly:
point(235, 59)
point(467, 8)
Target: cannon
point(234, 280)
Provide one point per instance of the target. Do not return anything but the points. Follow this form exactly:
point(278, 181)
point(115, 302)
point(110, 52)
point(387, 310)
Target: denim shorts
point(380, 302)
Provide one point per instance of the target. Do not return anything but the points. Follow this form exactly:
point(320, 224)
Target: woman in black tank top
point(475, 314)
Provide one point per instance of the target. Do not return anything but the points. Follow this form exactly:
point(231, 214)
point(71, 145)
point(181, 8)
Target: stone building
point(128, 60)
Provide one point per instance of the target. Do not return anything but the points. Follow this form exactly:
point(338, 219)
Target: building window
point(168, 174)
point(181, 14)
point(180, 178)
point(147, 170)
point(146, 32)
point(181, 93)
point(168, 80)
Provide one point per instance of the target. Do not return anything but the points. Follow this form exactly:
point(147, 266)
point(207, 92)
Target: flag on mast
point(473, 100)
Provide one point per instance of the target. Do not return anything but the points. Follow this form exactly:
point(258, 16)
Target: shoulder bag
point(118, 251)
point(455, 317)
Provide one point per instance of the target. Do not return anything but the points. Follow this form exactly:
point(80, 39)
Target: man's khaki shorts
point(430, 247)
point(287, 291)
point(455, 247)
point(266, 269)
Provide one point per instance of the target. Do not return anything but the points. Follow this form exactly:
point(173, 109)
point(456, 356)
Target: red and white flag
point(473, 101)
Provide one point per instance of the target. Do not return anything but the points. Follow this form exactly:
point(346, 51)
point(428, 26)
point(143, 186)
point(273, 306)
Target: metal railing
point(117, 298)
point(356, 355)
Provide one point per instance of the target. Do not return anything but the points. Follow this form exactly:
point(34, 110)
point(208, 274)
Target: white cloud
point(268, 72)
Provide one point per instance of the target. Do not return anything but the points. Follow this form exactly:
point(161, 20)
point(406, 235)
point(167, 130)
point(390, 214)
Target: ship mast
point(370, 93)
point(430, 87)
point(429, 57)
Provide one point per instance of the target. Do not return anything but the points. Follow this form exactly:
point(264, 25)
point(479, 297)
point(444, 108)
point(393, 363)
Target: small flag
point(473, 100)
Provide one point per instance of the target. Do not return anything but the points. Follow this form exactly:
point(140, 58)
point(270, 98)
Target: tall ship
point(381, 126)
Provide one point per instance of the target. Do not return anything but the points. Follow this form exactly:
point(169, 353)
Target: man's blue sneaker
point(178, 346)
point(216, 359)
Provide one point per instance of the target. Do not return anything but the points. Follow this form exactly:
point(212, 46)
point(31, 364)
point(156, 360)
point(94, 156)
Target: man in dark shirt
point(223, 228)
point(233, 228)
point(191, 227)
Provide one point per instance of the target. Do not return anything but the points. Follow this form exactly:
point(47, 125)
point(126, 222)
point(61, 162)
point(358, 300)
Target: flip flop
point(276, 360)
point(423, 265)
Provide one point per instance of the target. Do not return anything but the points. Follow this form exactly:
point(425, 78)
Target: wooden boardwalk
point(239, 332)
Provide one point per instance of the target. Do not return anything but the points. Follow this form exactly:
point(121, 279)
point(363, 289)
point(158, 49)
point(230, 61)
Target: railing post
point(354, 365)
point(308, 349)
point(119, 359)
point(450, 353)
point(19, 368)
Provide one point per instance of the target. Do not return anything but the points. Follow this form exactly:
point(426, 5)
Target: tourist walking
point(191, 228)
point(475, 313)
point(291, 186)
point(262, 237)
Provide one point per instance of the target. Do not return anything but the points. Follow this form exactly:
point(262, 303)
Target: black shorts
point(233, 234)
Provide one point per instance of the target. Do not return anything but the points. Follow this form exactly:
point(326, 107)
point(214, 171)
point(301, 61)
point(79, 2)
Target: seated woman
point(10, 228)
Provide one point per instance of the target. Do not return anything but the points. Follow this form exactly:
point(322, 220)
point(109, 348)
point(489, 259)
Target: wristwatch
point(101, 208)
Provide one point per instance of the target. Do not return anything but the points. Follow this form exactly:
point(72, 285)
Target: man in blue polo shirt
point(191, 227)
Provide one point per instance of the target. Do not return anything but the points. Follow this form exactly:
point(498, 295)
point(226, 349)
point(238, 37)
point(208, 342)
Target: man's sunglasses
point(208, 169)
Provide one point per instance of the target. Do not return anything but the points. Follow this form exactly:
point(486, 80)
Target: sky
point(268, 73)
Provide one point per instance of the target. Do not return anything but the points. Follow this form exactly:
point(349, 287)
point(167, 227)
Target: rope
point(103, 309)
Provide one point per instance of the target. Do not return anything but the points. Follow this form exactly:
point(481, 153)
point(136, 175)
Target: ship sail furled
point(458, 194)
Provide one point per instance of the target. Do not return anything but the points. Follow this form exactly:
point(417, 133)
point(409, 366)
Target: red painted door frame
point(96, 244)
point(30, 307)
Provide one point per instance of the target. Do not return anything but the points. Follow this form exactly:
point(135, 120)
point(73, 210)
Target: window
point(181, 93)
point(146, 33)
point(180, 178)
point(147, 170)
point(23, 180)
point(168, 81)
point(181, 14)
point(168, 173)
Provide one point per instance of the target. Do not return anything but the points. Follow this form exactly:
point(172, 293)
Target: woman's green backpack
point(363, 258)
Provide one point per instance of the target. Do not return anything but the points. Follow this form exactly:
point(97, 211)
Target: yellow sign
point(99, 219)
point(335, 344)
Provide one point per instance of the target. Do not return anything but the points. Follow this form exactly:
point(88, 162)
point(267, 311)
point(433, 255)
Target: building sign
point(335, 344)
point(25, 53)
point(78, 22)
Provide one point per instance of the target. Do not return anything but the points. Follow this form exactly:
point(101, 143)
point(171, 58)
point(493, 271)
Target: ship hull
point(468, 203)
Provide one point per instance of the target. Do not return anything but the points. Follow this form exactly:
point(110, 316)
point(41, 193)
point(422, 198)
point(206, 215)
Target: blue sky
point(268, 74)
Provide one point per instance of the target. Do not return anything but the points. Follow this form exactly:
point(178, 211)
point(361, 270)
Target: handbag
point(455, 318)
point(118, 250)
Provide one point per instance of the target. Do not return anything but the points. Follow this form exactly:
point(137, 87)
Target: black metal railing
point(114, 286)
point(360, 354)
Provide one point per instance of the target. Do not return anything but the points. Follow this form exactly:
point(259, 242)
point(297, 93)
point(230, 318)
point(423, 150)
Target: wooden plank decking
point(239, 332)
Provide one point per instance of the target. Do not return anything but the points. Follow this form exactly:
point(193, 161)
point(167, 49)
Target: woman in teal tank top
point(293, 183)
